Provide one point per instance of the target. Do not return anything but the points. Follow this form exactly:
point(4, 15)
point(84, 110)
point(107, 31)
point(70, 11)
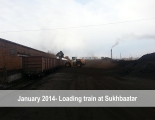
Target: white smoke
point(133, 36)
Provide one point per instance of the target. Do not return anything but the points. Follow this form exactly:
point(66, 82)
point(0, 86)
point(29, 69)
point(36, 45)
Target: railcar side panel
point(32, 65)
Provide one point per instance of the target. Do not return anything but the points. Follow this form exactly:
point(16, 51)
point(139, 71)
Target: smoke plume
point(116, 43)
point(133, 36)
point(145, 37)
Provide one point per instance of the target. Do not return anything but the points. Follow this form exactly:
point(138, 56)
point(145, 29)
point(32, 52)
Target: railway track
point(28, 84)
point(25, 85)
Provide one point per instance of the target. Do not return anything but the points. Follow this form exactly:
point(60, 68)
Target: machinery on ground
point(74, 62)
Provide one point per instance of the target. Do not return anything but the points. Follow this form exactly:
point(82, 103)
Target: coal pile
point(144, 67)
point(148, 57)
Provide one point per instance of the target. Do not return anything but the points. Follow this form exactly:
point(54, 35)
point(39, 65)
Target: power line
point(74, 27)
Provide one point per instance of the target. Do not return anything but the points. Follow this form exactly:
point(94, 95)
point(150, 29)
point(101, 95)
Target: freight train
point(39, 65)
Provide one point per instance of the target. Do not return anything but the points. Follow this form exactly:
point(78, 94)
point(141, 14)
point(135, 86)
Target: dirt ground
point(93, 79)
point(85, 78)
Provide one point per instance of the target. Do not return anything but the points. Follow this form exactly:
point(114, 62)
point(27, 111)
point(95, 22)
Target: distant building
point(105, 58)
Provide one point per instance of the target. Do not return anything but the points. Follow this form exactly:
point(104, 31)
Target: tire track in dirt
point(58, 81)
point(82, 82)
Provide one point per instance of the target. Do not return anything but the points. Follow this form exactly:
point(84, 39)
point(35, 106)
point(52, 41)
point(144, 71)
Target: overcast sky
point(81, 28)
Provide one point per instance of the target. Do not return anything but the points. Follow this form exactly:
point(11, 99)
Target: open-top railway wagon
point(39, 66)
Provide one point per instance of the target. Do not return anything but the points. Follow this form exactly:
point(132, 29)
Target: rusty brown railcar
point(38, 65)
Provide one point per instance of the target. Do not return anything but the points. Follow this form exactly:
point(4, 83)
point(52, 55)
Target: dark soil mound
point(144, 67)
point(148, 57)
